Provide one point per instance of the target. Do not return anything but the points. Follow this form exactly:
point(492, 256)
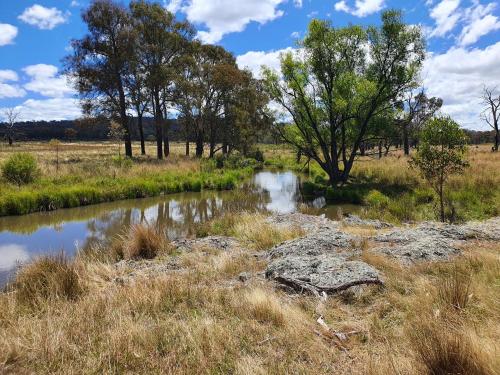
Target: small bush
point(47, 278)
point(257, 155)
point(143, 242)
point(376, 199)
point(20, 169)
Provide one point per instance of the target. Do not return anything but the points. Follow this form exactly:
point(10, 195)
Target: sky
point(463, 39)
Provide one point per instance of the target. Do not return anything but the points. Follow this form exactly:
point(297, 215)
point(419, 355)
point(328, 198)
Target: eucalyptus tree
point(11, 116)
point(416, 109)
point(200, 90)
point(162, 41)
point(100, 63)
point(338, 81)
point(491, 113)
point(139, 99)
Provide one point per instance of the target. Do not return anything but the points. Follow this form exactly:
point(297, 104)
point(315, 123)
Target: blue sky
point(463, 44)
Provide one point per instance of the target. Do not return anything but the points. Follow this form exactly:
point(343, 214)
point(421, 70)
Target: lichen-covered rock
point(308, 223)
point(211, 242)
point(326, 240)
point(355, 220)
point(321, 273)
point(320, 262)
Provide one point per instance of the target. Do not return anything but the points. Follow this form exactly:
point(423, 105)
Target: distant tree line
point(141, 61)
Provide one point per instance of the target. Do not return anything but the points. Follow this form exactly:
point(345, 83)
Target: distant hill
point(80, 131)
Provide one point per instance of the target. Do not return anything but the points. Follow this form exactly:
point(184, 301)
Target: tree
point(162, 40)
point(55, 144)
point(441, 153)
point(116, 133)
point(491, 114)
point(416, 110)
point(11, 115)
point(339, 81)
point(70, 134)
point(100, 63)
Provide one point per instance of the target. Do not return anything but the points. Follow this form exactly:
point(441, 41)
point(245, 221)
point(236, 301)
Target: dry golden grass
point(201, 319)
point(143, 241)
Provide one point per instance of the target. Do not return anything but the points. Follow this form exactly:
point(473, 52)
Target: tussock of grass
point(251, 229)
point(46, 279)
point(143, 241)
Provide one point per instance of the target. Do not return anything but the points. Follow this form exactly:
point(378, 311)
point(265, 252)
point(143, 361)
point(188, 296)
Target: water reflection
point(22, 237)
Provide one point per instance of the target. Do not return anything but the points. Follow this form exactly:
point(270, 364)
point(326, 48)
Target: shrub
point(47, 278)
point(143, 242)
point(20, 168)
point(377, 199)
point(257, 155)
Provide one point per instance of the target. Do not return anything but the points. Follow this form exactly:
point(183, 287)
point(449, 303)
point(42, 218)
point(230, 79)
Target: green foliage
point(20, 169)
point(337, 91)
point(376, 199)
point(441, 153)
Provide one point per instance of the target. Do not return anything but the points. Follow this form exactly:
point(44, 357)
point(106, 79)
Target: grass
point(201, 319)
point(89, 173)
point(251, 229)
point(142, 241)
point(389, 190)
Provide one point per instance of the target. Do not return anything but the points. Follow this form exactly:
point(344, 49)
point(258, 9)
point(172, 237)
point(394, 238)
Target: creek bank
point(327, 259)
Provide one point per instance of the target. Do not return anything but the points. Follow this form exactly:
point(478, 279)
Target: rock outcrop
point(320, 262)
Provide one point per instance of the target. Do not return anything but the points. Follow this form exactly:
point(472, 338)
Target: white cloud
point(9, 90)
point(42, 17)
point(48, 109)
point(362, 8)
point(479, 22)
point(458, 76)
point(45, 81)
point(12, 255)
point(74, 3)
point(222, 17)
point(254, 60)
point(295, 34)
point(297, 3)
point(446, 15)
point(7, 34)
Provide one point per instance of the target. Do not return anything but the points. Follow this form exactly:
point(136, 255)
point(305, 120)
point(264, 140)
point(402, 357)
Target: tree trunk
point(380, 149)
point(406, 141)
point(497, 140)
point(141, 133)
point(187, 147)
point(158, 126)
point(10, 140)
point(199, 145)
point(124, 120)
point(166, 143)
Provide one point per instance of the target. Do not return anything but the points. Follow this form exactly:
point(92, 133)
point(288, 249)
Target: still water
point(25, 237)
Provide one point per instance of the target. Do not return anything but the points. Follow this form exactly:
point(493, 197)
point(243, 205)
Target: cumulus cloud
point(48, 109)
point(362, 8)
point(45, 81)
point(10, 90)
point(7, 34)
point(458, 76)
point(222, 17)
point(254, 60)
point(479, 22)
point(12, 255)
point(446, 14)
point(42, 17)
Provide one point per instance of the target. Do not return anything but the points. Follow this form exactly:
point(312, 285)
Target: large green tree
point(339, 81)
point(100, 63)
point(161, 43)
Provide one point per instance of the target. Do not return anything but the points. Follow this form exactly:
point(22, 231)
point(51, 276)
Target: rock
point(244, 276)
point(355, 220)
point(428, 241)
point(212, 242)
point(326, 240)
point(321, 273)
point(308, 223)
point(320, 262)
